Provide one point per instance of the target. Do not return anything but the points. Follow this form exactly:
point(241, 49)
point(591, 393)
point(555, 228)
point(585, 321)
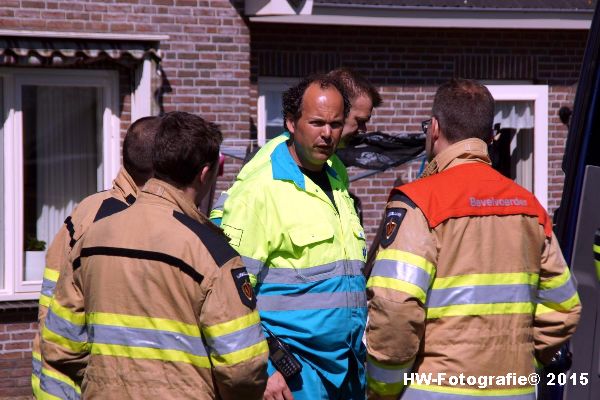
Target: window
point(522, 117)
point(270, 118)
point(60, 144)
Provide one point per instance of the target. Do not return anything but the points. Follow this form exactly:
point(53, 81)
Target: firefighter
point(157, 304)
point(137, 162)
point(469, 278)
point(294, 224)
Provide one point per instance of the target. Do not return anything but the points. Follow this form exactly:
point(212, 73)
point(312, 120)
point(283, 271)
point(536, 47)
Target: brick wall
point(17, 329)
point(408, 64)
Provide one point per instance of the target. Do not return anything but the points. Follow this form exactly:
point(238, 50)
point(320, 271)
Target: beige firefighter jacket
point(90, 209)
point(472, 291)
point(157, 305)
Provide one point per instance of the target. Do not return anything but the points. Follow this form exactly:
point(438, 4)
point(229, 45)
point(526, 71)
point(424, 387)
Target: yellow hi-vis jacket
point(157, 305)
point(307, 259)
point(263, 156)
point(48, 383)
point(470, 280)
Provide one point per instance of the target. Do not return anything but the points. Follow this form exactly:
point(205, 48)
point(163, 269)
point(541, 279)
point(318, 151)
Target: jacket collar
point(465, 151)
point(285, 168)
point(174, 196)
point(125, 186)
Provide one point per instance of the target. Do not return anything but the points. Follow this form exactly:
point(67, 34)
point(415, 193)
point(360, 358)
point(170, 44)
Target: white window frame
point(265, 84)
point(15, 288)
point(539, 95)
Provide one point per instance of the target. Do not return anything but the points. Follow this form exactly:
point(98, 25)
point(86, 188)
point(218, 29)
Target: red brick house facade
point(214, 58)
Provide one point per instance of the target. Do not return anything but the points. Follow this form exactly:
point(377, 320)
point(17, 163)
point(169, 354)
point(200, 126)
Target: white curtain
point(66, 142)
point(518, 116)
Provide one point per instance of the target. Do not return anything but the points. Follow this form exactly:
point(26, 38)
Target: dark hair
point(292, 98)
point(137, 149)
point(464, 109)
point(184, 144)
point(356, 85)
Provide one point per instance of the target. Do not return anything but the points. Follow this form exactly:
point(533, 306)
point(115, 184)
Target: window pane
point(513, 144)
point(2, 121)
point(61, 162)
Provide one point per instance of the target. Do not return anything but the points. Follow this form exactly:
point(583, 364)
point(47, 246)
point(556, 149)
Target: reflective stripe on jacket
point(307, 259)
point(157, 304)
point(596, 249)
point(46, 381)
point(470, 281)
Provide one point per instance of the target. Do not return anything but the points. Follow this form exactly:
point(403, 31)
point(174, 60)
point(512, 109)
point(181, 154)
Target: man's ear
point(205, 174)
point(289, 123)
point(434, 131)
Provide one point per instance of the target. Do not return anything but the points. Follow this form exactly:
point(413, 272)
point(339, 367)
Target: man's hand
point(277, 389)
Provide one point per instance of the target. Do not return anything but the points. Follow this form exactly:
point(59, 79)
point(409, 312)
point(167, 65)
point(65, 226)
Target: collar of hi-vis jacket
point(285, 168)
point(468, 150)
point(176, 197)
point(126, 186)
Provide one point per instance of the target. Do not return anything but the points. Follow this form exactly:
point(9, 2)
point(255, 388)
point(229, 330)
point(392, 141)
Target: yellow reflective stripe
point(566, 305)
point(35, 387)
point(62, 378)
point(385, 389)
point(395, 284)
point(234, 325)
point(556, 281)
point(148, 353)
point(135, 321)
point(36, 355)
point(409, 258)
point(51, 274)
point(76, 318)
point(240, 355)
point(77, 347)
point(511, 278)
point(45, 300)
point(480, 309)
point(474, 392)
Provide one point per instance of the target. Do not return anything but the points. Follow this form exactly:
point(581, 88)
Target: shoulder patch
point(216, 244)
point(244, 287)
point(393, 219)
point(109, 207)
point(399, 196)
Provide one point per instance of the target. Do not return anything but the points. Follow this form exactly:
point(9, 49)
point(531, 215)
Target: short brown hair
point(464, 109)
point(356, 85)
point(184, 144)
point(137, 149)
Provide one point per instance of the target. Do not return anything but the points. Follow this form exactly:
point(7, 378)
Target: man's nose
point(326, 133)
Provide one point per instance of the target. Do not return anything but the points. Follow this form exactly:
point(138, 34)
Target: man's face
point(359, 115)
point(317, 132)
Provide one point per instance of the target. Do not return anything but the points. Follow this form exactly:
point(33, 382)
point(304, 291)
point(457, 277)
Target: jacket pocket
point(302, 236)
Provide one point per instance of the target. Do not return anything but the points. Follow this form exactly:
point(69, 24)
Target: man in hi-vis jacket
point(157, 304)
point(469, 278)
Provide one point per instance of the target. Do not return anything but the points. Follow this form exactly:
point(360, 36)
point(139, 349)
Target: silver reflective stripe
point(36, 367)
point(48, 287)
point(386, 375)
point(137, 337)
point(416, 394)
point(237, 340)
point(311, 301)
point(559, 294)
point(311, 274)
point(402, 271)
point(486, 294)
point(64, 328)
point(252, 266)
point(57, 388)
point(221, 201)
